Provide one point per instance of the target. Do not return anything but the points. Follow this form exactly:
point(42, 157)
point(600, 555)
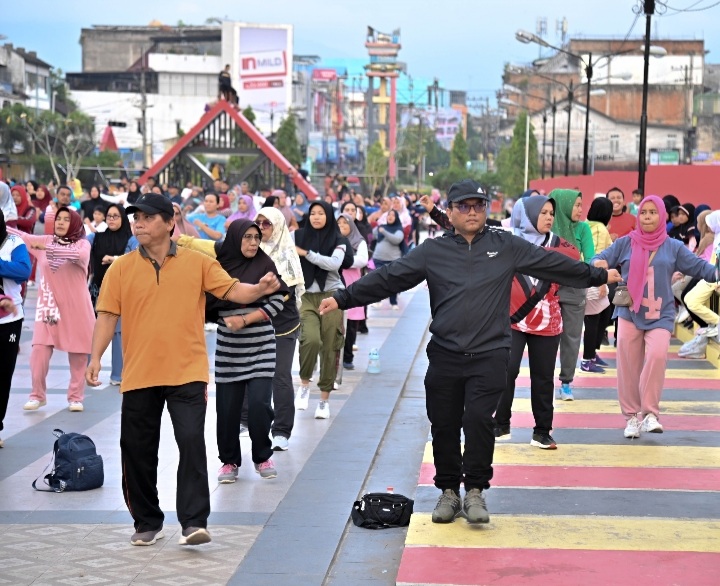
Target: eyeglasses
point(265, 224)
point(250, 237)
point(465, 208)
point(113, 216)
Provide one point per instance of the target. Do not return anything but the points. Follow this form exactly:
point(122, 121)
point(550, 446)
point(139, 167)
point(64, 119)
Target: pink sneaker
point(227, 474)
point(266, 469)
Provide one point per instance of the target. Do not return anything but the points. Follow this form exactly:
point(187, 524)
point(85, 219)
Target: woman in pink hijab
point(647, 259)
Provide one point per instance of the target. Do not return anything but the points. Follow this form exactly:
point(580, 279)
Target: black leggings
point(9, 346)
point(542, 351)
point(595, 326)
point(701, 322)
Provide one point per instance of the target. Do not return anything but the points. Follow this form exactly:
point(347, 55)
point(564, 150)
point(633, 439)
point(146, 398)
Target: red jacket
point(545, 318)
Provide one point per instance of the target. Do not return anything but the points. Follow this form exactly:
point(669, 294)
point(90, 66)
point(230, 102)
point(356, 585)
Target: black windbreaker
point(469, 284)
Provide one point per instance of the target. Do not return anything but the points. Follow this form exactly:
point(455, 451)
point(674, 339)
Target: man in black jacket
point(469, 275)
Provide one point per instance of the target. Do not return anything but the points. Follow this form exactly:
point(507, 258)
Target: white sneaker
point(682, 315)
point(244, 432)
point(692, 346)
point(33, 405)
point(210, 327)
point(632, 429)
point(355, 348)
point(323, 410)
point(302, 398)
point(707, 332)
point(651, 424)
point(75, 406)
point(280, 444)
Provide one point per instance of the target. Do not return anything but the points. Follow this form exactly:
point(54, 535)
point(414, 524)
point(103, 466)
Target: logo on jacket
point(492, 254)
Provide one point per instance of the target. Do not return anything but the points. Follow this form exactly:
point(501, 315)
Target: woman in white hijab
point(280, 247)
point(7, 205)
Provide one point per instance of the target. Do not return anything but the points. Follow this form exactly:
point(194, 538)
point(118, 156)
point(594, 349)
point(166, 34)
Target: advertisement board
point(260, 57)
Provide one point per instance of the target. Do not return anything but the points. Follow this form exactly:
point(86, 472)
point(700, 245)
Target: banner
point(260, 57)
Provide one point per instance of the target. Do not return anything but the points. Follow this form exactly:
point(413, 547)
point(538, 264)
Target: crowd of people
point(275, 265)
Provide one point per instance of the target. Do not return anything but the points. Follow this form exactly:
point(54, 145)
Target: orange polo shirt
point(163, 312)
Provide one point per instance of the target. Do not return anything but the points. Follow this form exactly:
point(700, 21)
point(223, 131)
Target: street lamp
point(528, 37)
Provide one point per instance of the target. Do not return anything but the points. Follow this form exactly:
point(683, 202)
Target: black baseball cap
point(466, 189)
point(152, 203)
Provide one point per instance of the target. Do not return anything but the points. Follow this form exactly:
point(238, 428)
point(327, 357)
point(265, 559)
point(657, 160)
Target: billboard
point(260, 57)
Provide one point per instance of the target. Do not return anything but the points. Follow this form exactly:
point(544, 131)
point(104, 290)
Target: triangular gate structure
point(224, 130)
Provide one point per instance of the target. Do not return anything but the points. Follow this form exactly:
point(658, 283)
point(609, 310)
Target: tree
point(287, 141)
point(62, 139)
point(14, 135)
point(511, 159)
point(249, 114)
point(376, 165)
point(459, 154)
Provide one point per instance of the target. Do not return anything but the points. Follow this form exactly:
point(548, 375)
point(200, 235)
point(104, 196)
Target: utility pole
point(420, 154)
point(143, 109)
point(649, 9)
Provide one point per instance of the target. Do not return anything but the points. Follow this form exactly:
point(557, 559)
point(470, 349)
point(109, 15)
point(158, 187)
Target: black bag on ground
point(76, 465)
point(382, 510)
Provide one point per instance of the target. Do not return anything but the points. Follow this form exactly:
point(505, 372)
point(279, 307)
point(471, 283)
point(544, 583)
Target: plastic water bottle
point(374, 362)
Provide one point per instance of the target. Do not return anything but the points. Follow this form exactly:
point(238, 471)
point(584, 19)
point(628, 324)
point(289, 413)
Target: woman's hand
point(235, 323)
point(7, 304)
point(677, 276)
point(107, 259)
point(301, 251)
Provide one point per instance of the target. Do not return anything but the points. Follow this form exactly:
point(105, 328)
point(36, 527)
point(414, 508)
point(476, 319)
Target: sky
point(464, 43)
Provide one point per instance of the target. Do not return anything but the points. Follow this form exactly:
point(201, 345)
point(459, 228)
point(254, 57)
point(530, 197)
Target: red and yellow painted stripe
point(574, 549)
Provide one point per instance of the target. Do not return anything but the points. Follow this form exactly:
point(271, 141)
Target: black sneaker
point(448, 507)
point(474, 507)
point(543, 441)
point(502, 432)
point(348, 366)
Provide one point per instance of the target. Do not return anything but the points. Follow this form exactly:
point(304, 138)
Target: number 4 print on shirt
point(652, 303)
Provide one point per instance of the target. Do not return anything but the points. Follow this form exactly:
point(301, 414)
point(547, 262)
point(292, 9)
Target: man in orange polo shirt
point(159, 290)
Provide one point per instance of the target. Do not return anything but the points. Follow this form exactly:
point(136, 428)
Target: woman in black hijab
point(682, 218)
point(107, 246)
point(245, 353)
point(322, 252)
point(133, 192)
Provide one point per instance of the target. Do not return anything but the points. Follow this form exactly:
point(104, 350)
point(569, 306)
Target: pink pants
point(40, 364)
point(641, 361)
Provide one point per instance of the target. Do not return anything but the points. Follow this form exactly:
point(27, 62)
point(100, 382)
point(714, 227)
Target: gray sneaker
point(147, 537)
point(448, 507)
point(194, 536)
point(266, 469)
point(474, 507)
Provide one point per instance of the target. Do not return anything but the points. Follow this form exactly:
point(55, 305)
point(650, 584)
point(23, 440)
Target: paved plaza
point(599, 510)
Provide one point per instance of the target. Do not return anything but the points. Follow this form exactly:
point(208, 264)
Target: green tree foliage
point(511, 160)
point(249, 114)
point(376, 165)
point(14, 134)
point(286, 140)
point(459, 154)
point(409, 152)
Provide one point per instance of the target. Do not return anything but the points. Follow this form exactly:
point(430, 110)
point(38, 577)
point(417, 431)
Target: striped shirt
point(250, 352)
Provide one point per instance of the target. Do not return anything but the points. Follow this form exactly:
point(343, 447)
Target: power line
point(691, 8)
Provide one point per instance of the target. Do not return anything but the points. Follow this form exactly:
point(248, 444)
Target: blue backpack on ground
point(76, 464)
